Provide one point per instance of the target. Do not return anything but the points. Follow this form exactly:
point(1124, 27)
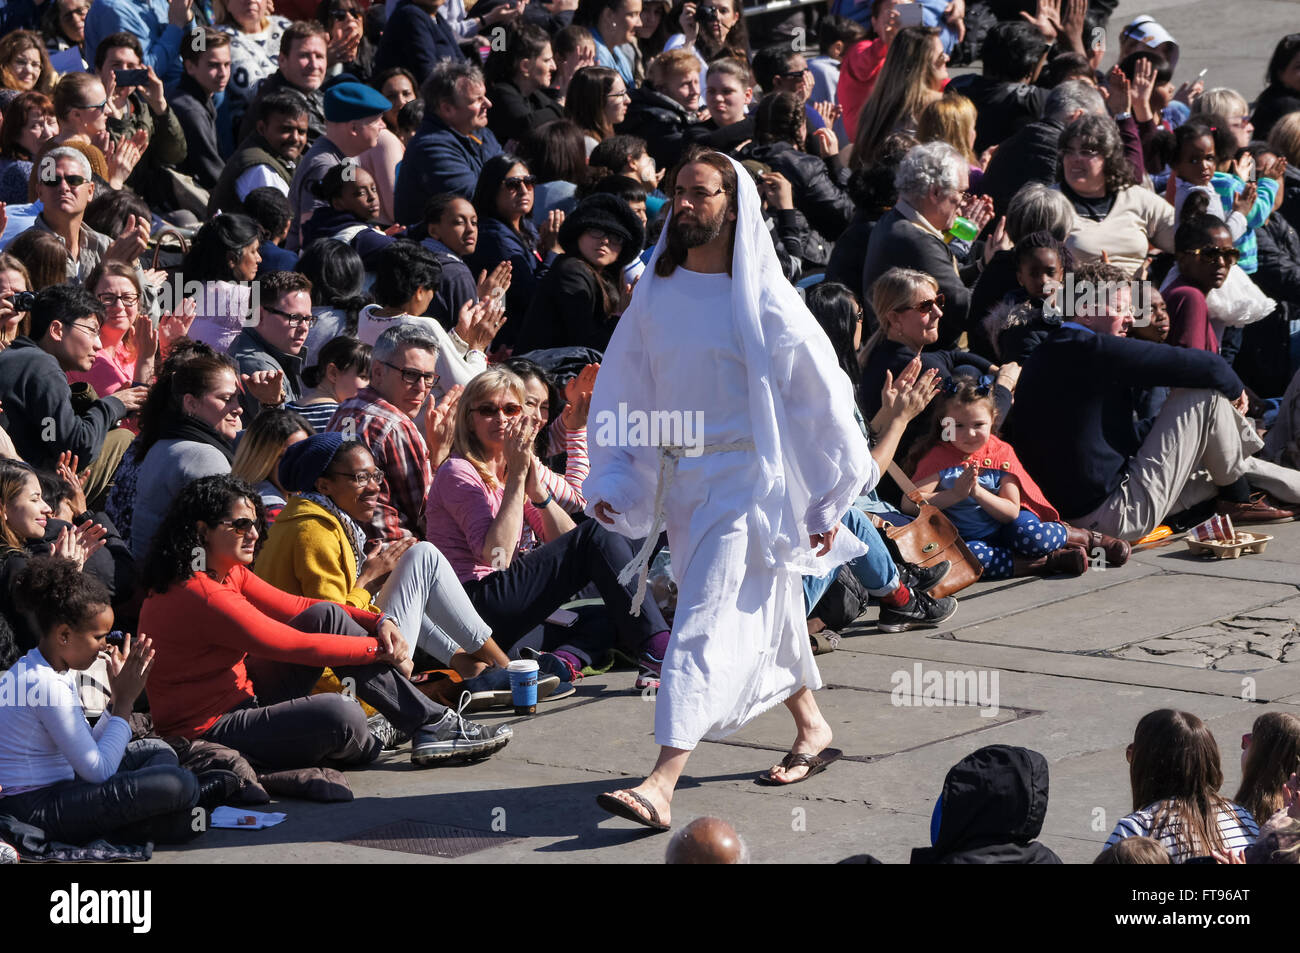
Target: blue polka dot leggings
point(1025, 536)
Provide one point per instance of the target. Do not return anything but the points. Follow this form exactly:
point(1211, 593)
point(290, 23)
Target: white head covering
point(792, 368)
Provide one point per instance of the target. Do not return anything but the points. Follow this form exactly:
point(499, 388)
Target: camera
point(22, 300)
point(706, 14)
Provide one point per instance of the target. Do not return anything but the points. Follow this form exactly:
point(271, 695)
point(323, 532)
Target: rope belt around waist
point(639, 567)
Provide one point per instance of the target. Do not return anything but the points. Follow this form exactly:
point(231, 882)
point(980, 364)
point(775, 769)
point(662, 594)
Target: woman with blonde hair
point(914, 75)
point(257, 458)
point(515, 549)
point(24, 64)
point(951, 119)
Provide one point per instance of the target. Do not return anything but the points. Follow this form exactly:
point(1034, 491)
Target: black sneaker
point(386, 733)
point(923, 611)
point(922, 577)
point(454, 738)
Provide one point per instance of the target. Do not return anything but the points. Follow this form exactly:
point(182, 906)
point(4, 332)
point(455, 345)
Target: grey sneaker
point(454, 738)
point(386, 733)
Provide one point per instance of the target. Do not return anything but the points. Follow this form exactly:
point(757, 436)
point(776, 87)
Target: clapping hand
point(968, 481)
point(67, 471)
point(172, 327)
point(266, 387)
point(480, 320)
point(577, 396)
point(440, 425)
point(128, 671)
point(494, 283)
point(80, 544)
point(133, 240)
point(907, 396)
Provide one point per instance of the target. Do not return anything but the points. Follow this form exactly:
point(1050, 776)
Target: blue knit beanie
point(304, 463)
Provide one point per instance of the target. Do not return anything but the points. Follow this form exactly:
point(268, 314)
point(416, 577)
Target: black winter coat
point(567, 310)
point(1028, 156)
point(1002, 108)
point(513, 115)
point(660, 121)
point(819, 190)
point(994, 802)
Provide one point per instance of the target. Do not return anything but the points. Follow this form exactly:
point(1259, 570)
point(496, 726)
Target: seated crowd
point(300, 322)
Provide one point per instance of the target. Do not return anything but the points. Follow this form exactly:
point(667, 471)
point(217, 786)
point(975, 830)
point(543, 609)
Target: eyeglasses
point(93, 332)
point(623, 95)
point(489, 411)
point(241, 525)
point(1088, 154)
point(600, 235)
point(1212, 253)
point(74, 181)
point(349, 14)
point(293, 320)
point(94, 106)
point(362, 478)
point(924, 307)
point(107, 299)
point(414, 377)
point(76, 13)
point(795, 73)
point(519, 182)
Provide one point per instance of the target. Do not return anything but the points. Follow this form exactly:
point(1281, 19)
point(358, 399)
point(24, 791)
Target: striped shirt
point(1237, 828)
point(318, 415)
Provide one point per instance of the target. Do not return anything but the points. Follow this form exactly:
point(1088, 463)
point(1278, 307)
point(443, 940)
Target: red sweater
point(1189, 318)
point(203, 631)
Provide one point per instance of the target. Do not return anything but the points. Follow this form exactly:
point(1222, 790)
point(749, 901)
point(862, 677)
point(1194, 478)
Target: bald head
point(707, 840)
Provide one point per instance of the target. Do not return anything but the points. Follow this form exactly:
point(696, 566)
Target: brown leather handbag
point(931, 538)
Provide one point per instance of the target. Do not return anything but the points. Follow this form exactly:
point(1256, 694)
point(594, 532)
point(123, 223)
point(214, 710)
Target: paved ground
point(1072, 663)
point(1076, 663)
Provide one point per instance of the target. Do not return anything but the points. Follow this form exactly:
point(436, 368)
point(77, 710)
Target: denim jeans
point(150, 798)
point(874, 569)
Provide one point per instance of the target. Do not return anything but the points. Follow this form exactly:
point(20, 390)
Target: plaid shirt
point(400, 453)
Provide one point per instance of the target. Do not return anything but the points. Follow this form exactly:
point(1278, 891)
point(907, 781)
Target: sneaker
point(386, 733)
point(217, 787)
point(452, 738)
point(492, 689)
point(550, 664)
point(924, 578)
point(923, 611)
point(7, 854)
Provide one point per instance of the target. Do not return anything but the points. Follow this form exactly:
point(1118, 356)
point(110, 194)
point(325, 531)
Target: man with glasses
point(1078, 429)
point(64, 186)
point(382, 416)
point(34, 389)
point(452, 144)
point(354, 118)
point(275, 343)
point(932, 181)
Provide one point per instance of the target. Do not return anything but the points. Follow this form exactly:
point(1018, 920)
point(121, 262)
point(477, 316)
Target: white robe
point(734, 519)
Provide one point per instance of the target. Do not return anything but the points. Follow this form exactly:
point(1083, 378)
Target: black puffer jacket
point(819, 189)
point(1002, 108)
point(994, 802)
point(660, 121)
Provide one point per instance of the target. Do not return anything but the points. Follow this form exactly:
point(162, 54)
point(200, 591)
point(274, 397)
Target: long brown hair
point(584, 100)
point(1177, 773)
point(17, 42)
point(674, 252)
point(13, 480)
point(1273, 757)
point(904, 89)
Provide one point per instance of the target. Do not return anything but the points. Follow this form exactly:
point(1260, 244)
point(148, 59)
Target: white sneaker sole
point(482, 749)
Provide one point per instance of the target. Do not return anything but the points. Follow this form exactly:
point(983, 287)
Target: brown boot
point(1066, 561)
point(1115, 550)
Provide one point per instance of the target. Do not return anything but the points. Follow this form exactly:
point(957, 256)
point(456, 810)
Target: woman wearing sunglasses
point(488, 502)
point(578, 302)
point(238, 658)
point(909, 306)
point(504, 200)
point(1205, 254)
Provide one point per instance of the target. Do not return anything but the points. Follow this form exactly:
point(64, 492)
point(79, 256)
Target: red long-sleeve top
point(1189, 318)
point(203, 630)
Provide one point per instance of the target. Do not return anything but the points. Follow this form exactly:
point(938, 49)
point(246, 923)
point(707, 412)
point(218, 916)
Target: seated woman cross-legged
point(487, 503)
point(238, 658)
point(57, 773)
point(316, 549)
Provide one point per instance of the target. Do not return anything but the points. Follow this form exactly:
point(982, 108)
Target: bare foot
point(651, 792)
point(814, 740)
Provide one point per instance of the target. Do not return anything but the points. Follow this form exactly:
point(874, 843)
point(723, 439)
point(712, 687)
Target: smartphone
point(565, 617)
point(909, 14)
point(116, 637)
point(131, 77)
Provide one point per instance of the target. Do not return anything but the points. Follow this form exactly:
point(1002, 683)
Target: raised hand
point(440, 425)
point(1141, 87)
point(1072, 15)
point(135, 236)
point(67, 471)
point(577, 396)
point(494, 283)
point(172, 327)
point(479, 321)
point(1245, 200)
point(128, 671)
point(1117, 92)
point(1047, 19)
point(998, 241)
point(266, 387)
point(548, 236)
point(954, 14)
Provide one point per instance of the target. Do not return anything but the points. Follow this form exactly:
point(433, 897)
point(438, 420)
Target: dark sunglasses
point(1211, 253)
point(925, 306)
point(345, 14)
point(241, 525)
point(517, 182)
point(491, 410)
point(74, 181)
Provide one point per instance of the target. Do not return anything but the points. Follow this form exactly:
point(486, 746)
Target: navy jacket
point(439, 159)
point(198, 118)
point(455, 287)
point(498, 242)
point(1075, 423)
point(417, 41)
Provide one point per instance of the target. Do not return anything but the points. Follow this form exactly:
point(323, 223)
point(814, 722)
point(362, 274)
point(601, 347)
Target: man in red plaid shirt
point(382, 417)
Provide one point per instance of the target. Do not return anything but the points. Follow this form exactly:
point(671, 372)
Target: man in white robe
point(715, 332)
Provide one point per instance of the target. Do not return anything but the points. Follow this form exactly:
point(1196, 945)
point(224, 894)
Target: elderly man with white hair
point(932, 181)
point(64, 186)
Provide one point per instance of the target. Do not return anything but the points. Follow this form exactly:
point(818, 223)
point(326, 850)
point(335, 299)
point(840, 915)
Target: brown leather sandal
point(815, 763)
